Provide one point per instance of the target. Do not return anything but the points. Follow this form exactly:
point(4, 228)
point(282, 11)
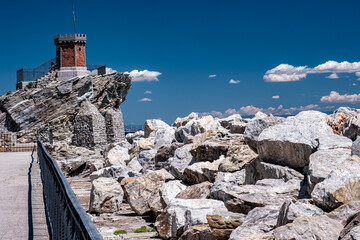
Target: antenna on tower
point(74, 18)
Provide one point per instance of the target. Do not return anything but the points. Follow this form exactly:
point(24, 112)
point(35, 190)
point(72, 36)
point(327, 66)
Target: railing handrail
point(79, 215)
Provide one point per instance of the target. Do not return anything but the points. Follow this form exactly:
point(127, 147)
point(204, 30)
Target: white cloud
point(148, 92)
point(288, 73)
point(336, 97)
point(333, 76)
point(145, 75)
point(252, 110)
point(232, 81)
point(145, 100)
point(212, 75)
point(275, 97)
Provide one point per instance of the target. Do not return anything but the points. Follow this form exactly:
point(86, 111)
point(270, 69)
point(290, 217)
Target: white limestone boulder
point(106, 196)
point(117, 156)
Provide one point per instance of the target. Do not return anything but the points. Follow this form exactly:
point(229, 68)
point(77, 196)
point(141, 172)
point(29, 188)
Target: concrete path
point(14, 195)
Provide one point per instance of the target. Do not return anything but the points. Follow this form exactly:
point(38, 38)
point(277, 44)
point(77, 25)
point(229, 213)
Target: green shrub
point(118, 232)
point(142, 229)
point(9, 92)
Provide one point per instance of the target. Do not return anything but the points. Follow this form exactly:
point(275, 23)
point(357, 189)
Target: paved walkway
point(14, 198)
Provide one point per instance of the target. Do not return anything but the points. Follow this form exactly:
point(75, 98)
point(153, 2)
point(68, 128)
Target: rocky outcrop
point(56, 103)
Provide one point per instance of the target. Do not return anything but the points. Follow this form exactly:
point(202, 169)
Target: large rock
point(201, 190)
point(337, 190)
point(170, 190)
point(139, 191)
point(226, 122)
point(89, 127)
point(309, 228)
point(115, 172)
point(259, 222)
point(223, 223)
point(106, 196)
point(256, 126)
point(209, 151)
point(325, 162)
point(290, 210)
point(202, 171)
point(153, 125)
point(355, 148)
point(164, 137)
point(163, 154)
point(117, 156)
point(146, 158)
point(264, 192)
point(346, 211)
point(345, 121)
point(114, 125)
point(198, 232)
point(226, 182)
point(258, 170)
point(237, 157)
point(292, 142)
point(183, 121)
point(181, 214)
point(234, 123)
point(182, 158)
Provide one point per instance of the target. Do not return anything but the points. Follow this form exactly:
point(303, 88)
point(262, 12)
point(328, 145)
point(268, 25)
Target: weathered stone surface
point(290, 210)
point(201, 190)
point(309, 228)
point(238, 126)
point(292, 142)
point(256, 126)
point(325, 162)
point(170, 190)
point(184, 213)
point(116, 172)
point(134, 165)
point(355, 148)
point(202, 125)
point(146, 158)
point(259, 222)
point(226, 122)
point(164, 137)
point(339, 118)
point(117, 156)
point(163, 154)
point(183, 121)
point(334, 141)
point(138, 191)
point(264, 192)
point(352, 229)
point(136, 135)
point(52, 104)
point(153, 125)
point(106, 195)
point(223, 223)
point(182, 158)
point(197, 232)
point(209, 151)
point(202, 171)
point(258, 170)
point(344, 212)
point(89, 127)
point(227, 182)
point(155, 203)
point(141, 144)
point(114, 125)
point(236, 160)
point(337, 190)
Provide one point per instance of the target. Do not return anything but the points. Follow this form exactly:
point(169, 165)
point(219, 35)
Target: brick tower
point(70, 55)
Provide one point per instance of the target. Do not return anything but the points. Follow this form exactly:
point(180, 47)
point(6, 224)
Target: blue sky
point(182, 43)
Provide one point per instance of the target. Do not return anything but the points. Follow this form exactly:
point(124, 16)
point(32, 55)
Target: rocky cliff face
point(60, 105)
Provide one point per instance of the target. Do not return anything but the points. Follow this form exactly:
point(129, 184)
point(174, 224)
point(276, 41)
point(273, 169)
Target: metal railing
point(31, 74)
point(65, 216)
